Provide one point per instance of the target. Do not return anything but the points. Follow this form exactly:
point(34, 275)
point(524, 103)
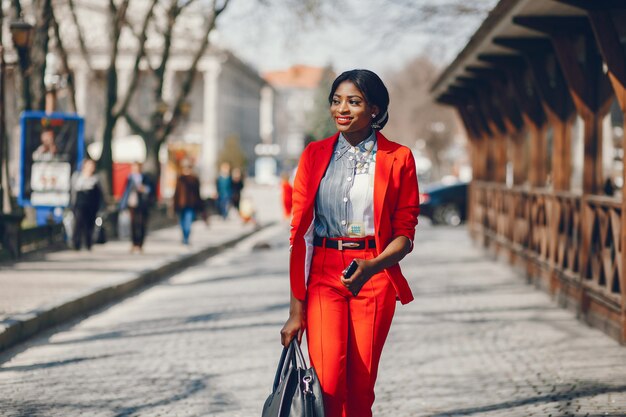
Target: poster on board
point(52, 148)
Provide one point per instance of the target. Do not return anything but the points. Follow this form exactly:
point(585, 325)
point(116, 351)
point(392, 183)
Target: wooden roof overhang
point(494, 64)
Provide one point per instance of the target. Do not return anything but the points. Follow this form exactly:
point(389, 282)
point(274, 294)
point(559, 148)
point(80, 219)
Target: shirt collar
point(344, 146)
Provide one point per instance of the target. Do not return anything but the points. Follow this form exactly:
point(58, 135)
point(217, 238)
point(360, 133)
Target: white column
point(267, 114)
point(82, 86)
point(210, 142)
point(168, 86)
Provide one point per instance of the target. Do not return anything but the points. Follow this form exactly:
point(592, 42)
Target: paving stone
point(477, 341)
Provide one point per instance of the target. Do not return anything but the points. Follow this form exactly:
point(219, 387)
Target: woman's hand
point(393, 253)
point(295, 324)
point(293, 328)
point(365, 270)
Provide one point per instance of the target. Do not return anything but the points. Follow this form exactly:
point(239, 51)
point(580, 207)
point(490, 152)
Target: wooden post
point(557, 103)
point(520, 169)
point(604, 24)
point(580, 61)
point(504, 99)
point(561, 152)
point(537, 158)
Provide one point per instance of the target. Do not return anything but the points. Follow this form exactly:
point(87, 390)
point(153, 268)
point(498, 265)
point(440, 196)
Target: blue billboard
point(52, 148)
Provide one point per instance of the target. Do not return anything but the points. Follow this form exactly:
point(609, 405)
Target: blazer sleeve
point(299, 191)
point(404, 218)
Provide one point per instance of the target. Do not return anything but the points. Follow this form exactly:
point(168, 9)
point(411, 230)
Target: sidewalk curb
point(21, 327)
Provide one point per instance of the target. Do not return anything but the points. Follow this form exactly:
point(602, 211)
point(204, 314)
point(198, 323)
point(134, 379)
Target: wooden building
point(537, 76)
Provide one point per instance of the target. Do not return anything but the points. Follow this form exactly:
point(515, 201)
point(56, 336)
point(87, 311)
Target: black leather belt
point(343, 244)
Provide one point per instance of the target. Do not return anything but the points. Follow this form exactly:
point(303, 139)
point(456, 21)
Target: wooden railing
point(600, 257)
point(577, 237)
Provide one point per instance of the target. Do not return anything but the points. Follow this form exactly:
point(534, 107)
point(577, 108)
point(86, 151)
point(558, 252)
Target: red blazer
point(396, 206)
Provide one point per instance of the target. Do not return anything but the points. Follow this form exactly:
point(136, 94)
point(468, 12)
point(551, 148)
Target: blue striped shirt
point(344, 201)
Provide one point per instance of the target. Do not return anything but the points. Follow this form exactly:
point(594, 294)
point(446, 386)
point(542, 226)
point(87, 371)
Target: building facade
point(296, 88)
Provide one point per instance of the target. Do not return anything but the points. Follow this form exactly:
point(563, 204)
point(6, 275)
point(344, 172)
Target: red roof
point(298, 76)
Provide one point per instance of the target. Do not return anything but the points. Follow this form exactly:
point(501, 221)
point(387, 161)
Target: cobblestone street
point(477, 341)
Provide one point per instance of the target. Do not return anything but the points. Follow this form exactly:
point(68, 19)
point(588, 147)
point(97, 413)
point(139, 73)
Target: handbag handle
point(279, 369)
point(299, 353)
point(291, 355)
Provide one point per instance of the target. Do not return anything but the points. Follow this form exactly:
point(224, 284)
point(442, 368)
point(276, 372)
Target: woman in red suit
point(355, 198)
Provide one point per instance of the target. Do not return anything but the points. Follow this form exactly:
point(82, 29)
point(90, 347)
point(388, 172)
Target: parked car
point(444, 203)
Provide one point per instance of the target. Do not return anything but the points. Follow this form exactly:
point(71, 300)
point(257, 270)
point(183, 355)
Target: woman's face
point(350, 111)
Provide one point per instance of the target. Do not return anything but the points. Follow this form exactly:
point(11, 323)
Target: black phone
point(347, 273)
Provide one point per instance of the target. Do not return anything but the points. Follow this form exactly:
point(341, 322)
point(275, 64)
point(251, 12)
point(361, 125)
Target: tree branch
point(135, 126)
point(191, 72)
point(185, 4)
point(140, 54)
point(81, 38)
point(64, 61)
point(17, 5)
point(172, 14)
point(120, 14)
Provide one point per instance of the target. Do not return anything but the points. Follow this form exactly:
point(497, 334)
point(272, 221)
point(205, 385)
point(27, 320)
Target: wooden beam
point(595, 4)
point(525, 45)
point(504, 94)
point(577, 52)
point(519, 158)
point(550, 81)
point(553, 24)
point(537, 174)
point(492, 109)
point(612, 46)
point(592, 93)
point(561, 154)
point(473, 106)
point(478, 156)
point(490, 104)
point(526, 89)
point(466, 102)
point(473, 132)
point(518, 73)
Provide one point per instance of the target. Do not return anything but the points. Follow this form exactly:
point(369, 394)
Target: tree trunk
point(105, 163)
point(152, 166)
point(39, 50)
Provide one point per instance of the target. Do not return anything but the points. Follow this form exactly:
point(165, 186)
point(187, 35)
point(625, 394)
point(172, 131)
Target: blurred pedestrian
point(187, 199)
point(224, 187)
point(86, 199)
point(247, 211)
point(236, 181)
point(355, 207)
point(138, 196)
point(287, 191)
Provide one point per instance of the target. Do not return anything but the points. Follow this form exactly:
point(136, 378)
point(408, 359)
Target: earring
point(373, 115)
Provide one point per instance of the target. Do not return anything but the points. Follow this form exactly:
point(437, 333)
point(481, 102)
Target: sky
point(379, 35)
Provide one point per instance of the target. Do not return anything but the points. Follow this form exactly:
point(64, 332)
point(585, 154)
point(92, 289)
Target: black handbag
point(296, 391)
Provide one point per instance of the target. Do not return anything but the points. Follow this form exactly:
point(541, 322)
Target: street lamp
point(52, 80)
point(22, 36)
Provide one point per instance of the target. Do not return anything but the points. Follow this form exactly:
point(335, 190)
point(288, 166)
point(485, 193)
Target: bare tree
point(160, 124)
point(413, 114)
point(321, 125)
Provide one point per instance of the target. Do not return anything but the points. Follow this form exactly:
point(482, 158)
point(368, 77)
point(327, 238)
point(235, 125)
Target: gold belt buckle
point(341, 245)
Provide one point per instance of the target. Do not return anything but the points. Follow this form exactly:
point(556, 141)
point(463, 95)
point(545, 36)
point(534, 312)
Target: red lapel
point(384, 163)
point(320, 159)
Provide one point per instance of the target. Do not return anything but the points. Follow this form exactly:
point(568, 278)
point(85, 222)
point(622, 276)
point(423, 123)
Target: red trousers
point(346, 334)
